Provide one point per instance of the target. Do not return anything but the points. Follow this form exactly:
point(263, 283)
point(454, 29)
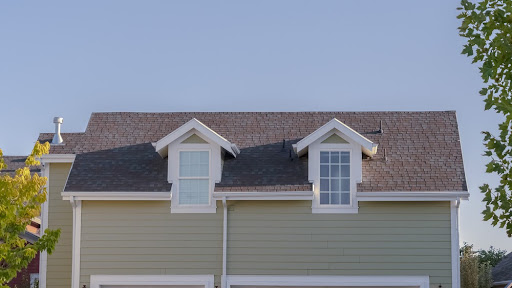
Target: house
point(239, 200)
point(502, 273)
point(30, 275)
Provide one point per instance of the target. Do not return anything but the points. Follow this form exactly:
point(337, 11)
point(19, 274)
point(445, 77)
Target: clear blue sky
point(71, 58)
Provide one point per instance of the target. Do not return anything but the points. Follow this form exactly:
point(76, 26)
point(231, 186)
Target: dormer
point(335, 165)
point(195, 154)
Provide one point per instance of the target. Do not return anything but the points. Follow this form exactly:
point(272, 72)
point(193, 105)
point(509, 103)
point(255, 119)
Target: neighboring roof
point(16, 162)
point(115, 153)
point(503, 271)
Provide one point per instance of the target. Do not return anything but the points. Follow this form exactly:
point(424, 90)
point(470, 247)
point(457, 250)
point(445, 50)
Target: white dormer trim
point(194, 124)
point(368, 147)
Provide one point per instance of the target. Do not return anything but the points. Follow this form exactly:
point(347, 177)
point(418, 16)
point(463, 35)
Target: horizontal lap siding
point(384, 238)
point(60, 215)
point(267, 238)
point(143, 237)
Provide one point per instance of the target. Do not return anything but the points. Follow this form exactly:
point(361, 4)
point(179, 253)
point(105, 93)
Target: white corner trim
point(161, 145)
point(120, 196)
point(278, 195)
point(43, 259)
point(77, 232)
point(97, 281)
point(454, 214)
point(368, 147)
point(224, 244)
point(58, 158)
point(412, 196)
point(293, 280)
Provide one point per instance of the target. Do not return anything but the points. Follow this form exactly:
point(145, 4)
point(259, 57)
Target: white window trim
point(98, 281)
point(314, 173)
point(339, 281)
point(203, 148)
point(214, 152)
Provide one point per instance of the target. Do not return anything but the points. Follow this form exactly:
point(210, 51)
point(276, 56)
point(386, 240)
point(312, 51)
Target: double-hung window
point(194, 178)
point(334, 178)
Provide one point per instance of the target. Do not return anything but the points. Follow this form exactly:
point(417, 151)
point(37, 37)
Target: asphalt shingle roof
point(115, 153)
point(503, 271)
point(16, 162)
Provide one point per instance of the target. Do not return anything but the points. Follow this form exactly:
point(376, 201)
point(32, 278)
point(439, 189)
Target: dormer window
point(334, 177)
point(194, 178)
point(335, 166)
point(194, 154)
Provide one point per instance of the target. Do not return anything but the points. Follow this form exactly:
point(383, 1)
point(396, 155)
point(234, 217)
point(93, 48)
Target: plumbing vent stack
point(57, 139)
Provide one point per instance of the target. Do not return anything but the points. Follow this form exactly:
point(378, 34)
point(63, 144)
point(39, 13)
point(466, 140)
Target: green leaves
point(21, 197)
point(487, 26)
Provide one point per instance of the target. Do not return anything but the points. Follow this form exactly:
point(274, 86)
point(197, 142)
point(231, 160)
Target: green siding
point(60, 215)
point(143, 237)
point(267, 238)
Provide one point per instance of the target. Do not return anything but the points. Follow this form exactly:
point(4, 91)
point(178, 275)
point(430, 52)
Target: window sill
point(188, 209)
point(335, 210)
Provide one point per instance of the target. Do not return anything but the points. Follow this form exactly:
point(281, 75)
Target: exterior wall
point(22, 280)
point(143, 237)
point(60, 215)
point(267, 238)
point(384, 238)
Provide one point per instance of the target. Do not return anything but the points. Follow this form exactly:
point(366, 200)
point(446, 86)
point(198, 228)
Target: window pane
point(345, 170)
point(324, 170)
point(335, 198)
point(335, 185)
point(345, 157)
point(335, 157)
point(345, 185)
point(324, 184)
point(335, 170)
point(345, 198)
point(194, 164)
point(324, 198)
point(194, 191)
point(324, 157)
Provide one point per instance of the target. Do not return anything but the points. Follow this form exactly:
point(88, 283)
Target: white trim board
point(97, 281)
point(368, 147)
point(454, 216)
point(277, 195)
point(120, 196)
point(413, 196)
point(161, 145)
point(43, 259)
point(338, 281)
point(58, 158)
point(77, 233)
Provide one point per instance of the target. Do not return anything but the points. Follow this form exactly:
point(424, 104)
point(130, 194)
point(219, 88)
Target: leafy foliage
point(487, 25)
point(492, 256)
point(21, 197)
point(474, 272)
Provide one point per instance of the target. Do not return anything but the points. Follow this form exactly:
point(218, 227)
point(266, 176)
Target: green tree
point(492, 256)
point(487, 25)
point(21, 196)
point(474, 272)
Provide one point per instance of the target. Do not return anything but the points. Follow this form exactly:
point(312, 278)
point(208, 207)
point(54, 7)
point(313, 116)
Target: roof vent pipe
point(57, 139)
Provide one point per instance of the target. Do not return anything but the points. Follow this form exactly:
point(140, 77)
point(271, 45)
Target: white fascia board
point(58, 158)
point(161, 145)
point(155, 196)
point(420, 281)
point(412, 196)
point(279, 195)
point(368, 147)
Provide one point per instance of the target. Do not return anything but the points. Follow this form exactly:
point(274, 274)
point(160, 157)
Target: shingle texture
point(115, 152)
point(503, 271)
point(16, 162)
